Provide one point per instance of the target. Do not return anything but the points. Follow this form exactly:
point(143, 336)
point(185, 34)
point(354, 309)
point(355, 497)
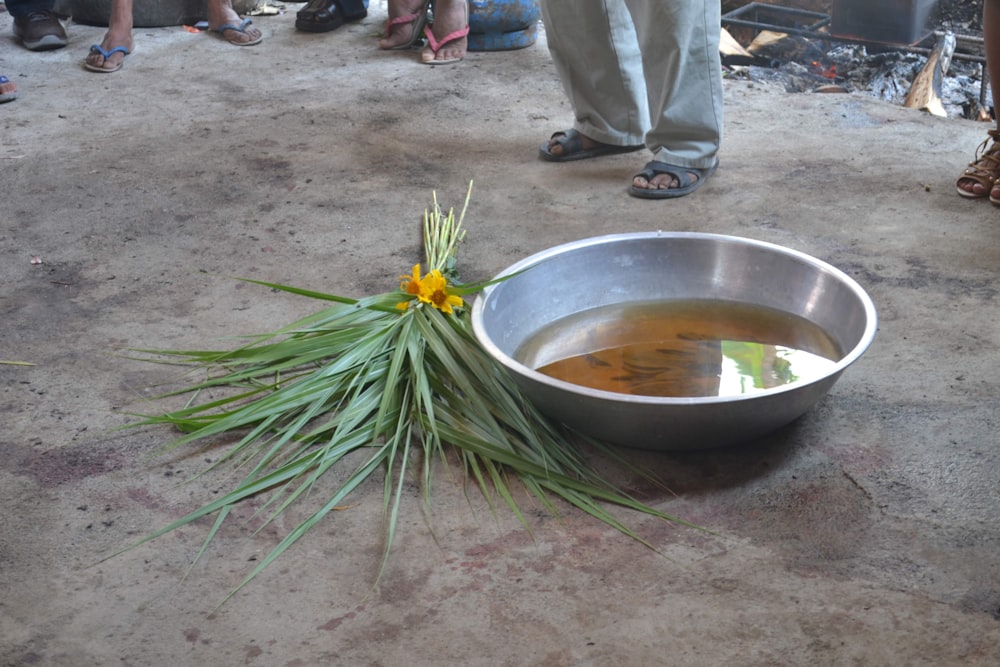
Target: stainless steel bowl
point(655, 266)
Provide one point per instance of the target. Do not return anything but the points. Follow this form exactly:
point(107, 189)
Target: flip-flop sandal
point(984, 169)
point(238, 28)
point(572, 148)
point(433, 45)
point(418, 20)
point(685, 177)
point(436, 46)
point(7, 97)
point(96, 48)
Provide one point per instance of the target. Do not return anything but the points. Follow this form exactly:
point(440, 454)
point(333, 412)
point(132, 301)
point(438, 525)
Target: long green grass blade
point(399, 388)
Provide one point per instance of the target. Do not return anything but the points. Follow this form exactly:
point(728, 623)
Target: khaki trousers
point(642, 72)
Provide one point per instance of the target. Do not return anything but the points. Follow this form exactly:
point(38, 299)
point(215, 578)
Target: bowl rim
point(478, 306)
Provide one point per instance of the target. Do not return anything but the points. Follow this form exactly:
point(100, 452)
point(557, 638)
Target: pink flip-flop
point(419, 21)
point(433, 46)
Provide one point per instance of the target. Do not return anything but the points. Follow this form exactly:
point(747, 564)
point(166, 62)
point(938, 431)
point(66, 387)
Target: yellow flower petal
point(411, 283)
point(434, 287)
point(429, 284)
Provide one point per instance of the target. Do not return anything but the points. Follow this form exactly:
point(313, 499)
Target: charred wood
point(926, 91)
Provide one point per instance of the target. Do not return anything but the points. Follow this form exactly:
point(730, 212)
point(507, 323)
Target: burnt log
point(925, 91)
point(732, 52)
point(778, 47)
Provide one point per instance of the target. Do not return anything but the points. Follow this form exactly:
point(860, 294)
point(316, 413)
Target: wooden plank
point(925, 91)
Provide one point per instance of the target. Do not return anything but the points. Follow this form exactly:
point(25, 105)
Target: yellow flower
point(434, 290)
point(431, 289)
point(411, 285)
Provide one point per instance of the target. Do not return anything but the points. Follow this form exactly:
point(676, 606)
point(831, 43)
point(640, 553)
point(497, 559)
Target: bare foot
point(662, 181)
point(982, 177)
point(404, 18)
point(557, 148)
point(976, 188)
point(450, 16)
point(8, 91)
point(220, 13)
point(116, 36)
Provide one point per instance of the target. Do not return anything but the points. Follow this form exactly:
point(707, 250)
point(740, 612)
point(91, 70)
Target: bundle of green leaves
point(399, 377)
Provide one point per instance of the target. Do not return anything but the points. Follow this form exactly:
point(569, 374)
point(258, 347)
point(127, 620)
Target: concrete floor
point(867, 533)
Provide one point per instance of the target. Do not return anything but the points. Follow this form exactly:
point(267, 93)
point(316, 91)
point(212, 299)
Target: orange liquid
point(684, 348)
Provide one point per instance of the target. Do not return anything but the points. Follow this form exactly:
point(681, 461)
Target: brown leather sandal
point(984, 170)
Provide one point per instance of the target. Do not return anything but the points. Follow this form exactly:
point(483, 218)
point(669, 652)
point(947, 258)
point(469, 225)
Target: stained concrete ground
point(866, 533)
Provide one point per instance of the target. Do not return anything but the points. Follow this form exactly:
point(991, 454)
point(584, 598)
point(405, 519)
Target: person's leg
point(594, 48)
point(447, 40)
point(405, 25)
point(18, 8)
point(991, 40)
point(683, 73)
point(221, 13)
point(982, 178)
point(36, 25)
point(118, 36)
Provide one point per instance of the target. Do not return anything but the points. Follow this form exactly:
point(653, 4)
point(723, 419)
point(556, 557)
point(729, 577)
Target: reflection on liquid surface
point(684, 348)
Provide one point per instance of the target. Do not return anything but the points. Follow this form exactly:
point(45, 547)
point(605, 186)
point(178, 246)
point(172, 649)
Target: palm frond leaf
point(398, 378)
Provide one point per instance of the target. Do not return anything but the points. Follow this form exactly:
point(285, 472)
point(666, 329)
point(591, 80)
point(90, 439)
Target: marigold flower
point(434, 290)
point(431, 289)
point(411, 283)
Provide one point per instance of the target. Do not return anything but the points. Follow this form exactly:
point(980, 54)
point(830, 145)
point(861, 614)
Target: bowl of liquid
point(674, 340)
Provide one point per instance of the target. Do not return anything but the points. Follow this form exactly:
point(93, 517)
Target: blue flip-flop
point(96, 48)
point(7, 97)
point(239, 28)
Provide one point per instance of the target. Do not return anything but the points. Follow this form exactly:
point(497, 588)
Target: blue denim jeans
point(24, 7)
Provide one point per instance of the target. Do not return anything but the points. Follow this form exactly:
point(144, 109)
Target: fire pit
point(888, 49)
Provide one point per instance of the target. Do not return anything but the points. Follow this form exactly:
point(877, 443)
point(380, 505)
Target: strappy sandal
point(984, 170)
point(417, 21)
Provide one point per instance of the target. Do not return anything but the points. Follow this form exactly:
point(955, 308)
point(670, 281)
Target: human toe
point(106, 59)
point(245, 36)
point(971, 186)
point(8, 91)
point(658, 182)
point(448, 54)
